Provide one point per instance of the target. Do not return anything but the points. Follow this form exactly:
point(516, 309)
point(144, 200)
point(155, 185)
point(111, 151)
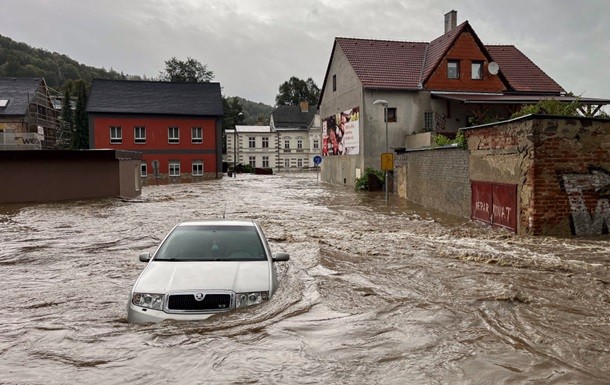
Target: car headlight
point(248, 299)
point(150, 301)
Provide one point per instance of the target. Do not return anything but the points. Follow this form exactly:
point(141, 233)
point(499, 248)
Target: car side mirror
point(144, 257)
point(280, 257)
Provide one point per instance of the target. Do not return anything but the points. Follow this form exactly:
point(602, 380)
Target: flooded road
point(373, 294)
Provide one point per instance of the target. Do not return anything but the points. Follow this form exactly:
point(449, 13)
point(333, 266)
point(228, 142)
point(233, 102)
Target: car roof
point(219, 222)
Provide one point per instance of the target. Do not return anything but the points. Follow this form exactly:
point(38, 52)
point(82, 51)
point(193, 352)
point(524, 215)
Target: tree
point(80, 137)
point(67, 120)
point(189, 71)
point(296, 90)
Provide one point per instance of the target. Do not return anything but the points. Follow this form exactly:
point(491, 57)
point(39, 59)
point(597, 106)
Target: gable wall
point(466, 50)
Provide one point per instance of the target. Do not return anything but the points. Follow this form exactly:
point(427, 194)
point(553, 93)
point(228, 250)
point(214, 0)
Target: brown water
point(373, 294)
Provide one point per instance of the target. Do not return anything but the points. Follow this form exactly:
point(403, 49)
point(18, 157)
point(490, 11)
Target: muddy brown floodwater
point(373, 294)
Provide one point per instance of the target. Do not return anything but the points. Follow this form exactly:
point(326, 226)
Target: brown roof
point(406, 65)
point(522, 74)
point(383, 63)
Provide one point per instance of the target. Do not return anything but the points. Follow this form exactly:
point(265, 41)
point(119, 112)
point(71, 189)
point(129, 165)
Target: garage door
point(494, 203)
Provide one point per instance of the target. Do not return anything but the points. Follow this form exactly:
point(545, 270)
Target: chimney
point(304, 106)
point(450, 20)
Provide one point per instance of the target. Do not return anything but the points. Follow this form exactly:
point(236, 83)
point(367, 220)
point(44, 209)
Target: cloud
point(253, 46)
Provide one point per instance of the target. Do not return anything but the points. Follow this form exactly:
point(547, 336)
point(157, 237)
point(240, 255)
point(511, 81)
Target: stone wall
point(559, 165)
point(436, 177)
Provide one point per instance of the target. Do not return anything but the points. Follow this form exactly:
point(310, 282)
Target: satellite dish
point(493, 68)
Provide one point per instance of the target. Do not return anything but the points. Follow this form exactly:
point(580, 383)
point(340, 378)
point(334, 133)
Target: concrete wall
point(46, 176)
point(436, 178)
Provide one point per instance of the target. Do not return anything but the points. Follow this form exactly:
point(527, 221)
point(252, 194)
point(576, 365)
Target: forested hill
point(21, 60)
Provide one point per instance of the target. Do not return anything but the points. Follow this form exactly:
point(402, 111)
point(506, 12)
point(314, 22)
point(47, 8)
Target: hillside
point(20, 60)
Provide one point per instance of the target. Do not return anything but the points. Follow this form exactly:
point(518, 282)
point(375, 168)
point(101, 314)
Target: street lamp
point(385, 103)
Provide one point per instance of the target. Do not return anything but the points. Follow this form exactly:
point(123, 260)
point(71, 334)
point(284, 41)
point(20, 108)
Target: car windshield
point(212, 243)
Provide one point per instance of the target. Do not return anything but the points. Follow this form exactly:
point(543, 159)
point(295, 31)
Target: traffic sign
point(317, 159)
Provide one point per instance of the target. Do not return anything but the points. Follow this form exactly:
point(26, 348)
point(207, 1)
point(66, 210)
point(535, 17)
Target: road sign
point(317, 159)
point(387, 161)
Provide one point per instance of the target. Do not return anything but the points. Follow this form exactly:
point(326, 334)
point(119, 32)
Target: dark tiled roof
point(383, 63)
point(291, 117)
point(158, 98)
point(521, 73)
point(406, 65)
point(19, 92)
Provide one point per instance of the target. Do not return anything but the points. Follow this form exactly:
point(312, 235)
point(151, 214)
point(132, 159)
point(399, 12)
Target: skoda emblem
point(199, 297)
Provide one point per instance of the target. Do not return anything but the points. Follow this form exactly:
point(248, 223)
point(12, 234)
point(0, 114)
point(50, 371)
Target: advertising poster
point(341, 133)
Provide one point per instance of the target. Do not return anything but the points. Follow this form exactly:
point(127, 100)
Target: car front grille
point(187, 302)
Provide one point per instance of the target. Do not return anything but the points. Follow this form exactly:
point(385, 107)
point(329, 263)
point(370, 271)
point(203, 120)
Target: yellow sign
point(387, 161)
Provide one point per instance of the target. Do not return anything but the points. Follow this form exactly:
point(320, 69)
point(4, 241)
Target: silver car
point(203, 268)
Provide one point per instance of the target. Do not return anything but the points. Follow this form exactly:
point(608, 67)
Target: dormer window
point(453, 69)
point(3, 102)
point(477, 70)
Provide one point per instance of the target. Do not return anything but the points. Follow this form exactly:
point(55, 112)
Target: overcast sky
point(253, 46)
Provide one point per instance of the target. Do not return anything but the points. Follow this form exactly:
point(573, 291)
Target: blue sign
point(317, 159)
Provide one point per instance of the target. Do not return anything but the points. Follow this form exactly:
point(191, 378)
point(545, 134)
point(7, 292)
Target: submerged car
point(203, 268)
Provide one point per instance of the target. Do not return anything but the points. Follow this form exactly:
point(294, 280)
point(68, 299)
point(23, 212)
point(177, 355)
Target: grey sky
point(255, 45)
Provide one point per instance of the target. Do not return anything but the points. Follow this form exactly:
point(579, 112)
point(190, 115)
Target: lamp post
point(385, 103)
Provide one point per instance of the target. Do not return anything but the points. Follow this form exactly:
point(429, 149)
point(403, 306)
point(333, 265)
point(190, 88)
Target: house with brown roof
point(424, 88)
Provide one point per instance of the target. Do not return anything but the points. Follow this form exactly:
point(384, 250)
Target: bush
point(362, 183)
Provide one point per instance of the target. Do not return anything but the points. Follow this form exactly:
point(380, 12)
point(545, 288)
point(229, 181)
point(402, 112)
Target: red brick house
point(176, 126)
point(452, 82)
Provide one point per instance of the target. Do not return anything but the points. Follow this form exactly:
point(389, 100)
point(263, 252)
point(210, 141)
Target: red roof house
point(452, 82)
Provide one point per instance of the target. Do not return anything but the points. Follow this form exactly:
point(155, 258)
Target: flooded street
point(373, 294)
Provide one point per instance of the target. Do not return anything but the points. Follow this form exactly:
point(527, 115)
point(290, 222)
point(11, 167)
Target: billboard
point(341, 133)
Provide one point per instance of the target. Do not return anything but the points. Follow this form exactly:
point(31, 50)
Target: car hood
point(163, 277)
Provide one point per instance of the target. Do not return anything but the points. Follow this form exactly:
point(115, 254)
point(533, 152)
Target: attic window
point(3, 102)
point(453, 69)
point(477, 70)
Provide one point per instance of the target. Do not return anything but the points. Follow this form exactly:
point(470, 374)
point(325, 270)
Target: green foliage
point(187, 71)
point(21, 60)
point(296, 90)
point(442, 140)
point(362, 183)
point(253, 111)
point(549, 107)
point(80, 137)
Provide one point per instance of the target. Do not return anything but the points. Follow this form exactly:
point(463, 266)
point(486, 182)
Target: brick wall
point(561, 167)
point(435, 178)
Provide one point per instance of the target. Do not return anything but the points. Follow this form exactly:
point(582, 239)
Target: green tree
point(80, 139)
point(296, 90)
point(67, 120)
point(549, 107)
point(189, 71)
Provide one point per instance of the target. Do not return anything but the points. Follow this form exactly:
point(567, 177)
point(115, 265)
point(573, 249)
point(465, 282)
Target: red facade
point(156, 143)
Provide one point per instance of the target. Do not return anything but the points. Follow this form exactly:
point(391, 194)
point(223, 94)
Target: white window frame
point(266, 161)
point(143, 170)
point(173, 135)
point(300, 144)
point(116, 135)
point(453, 73)
point(299, 162)
point(196, 135)
point(287, 144)
point(476, 70)
point(139, 134)
point(252, 161)
point(287, 163)
point(251, 142)
point(316, 144)
point(173, 168)
point(265, 142)
point(197, 168)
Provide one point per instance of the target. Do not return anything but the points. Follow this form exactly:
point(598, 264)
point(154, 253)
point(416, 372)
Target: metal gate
point(494, 203)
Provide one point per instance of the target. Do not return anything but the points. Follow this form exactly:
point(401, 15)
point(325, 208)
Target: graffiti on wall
point(575, 186)
point(341, 133)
